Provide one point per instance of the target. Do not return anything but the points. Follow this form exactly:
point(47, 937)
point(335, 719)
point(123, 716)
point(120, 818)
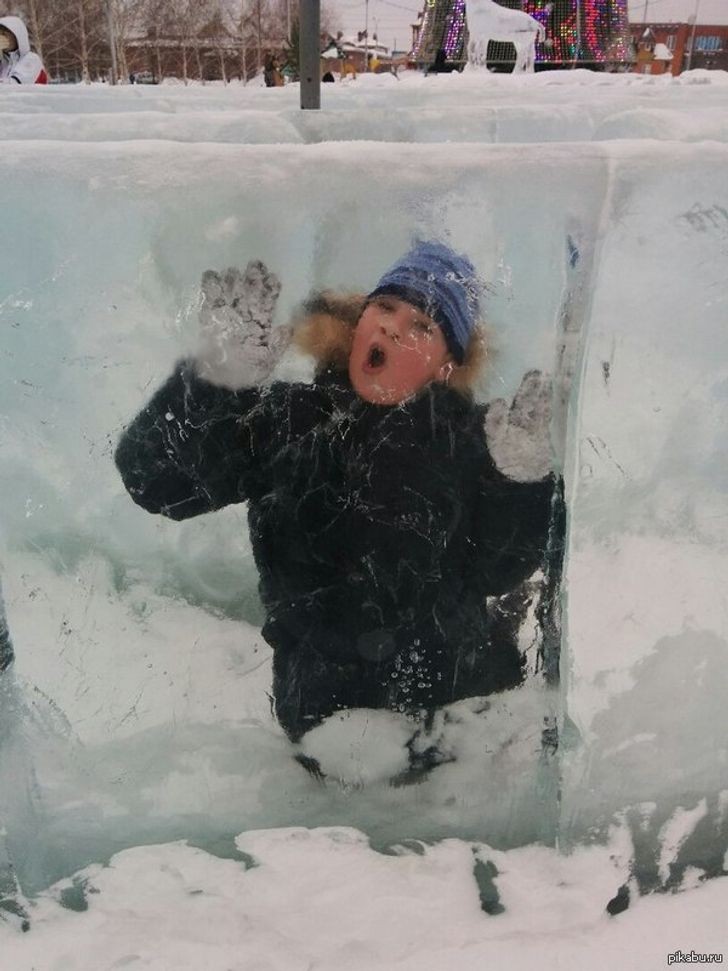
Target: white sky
point(391, 19)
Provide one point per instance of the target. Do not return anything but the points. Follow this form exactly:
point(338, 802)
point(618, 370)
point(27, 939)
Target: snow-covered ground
point(597, 207)
point(303, 899)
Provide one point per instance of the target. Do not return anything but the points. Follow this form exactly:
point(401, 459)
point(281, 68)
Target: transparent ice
point(597, 207)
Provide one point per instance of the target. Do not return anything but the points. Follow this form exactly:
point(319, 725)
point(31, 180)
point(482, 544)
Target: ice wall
point(598, 215)
point(647, 612)
point(549, 107)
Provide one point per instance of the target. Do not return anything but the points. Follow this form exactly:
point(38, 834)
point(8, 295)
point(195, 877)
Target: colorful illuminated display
point(455, 30)
point(577, 31)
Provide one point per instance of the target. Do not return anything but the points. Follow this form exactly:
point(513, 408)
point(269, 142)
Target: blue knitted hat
point(443, 285)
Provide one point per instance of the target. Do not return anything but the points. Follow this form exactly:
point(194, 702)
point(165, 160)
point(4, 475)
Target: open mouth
point(376, 358)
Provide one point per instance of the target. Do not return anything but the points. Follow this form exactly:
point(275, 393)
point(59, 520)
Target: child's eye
point(384, 304)
point(424, 327)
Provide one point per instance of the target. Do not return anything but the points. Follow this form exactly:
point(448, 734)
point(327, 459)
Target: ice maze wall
point(136, 710)
point(646, 678)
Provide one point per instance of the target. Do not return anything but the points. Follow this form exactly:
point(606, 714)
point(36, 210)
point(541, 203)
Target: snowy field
point(137, 748)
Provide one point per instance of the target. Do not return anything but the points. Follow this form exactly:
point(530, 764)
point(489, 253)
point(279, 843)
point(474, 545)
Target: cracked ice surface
point(597, 207)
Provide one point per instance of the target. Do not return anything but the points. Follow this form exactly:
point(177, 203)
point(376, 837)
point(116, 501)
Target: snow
point(552, 106)
point(324, 898)
point(360, 746)
point(596, 206)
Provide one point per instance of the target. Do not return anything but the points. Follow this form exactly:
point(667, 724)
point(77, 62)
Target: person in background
point(272, 72)
point(18, 64)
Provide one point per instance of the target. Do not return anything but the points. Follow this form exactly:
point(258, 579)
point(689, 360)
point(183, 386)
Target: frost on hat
point(441, 283)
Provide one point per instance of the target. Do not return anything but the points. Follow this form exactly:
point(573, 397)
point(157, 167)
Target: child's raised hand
point(518, 434)
point(238, 345)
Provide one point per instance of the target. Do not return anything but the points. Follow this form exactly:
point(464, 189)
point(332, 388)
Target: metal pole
point(579, 54)
point(692, 35)
point(310, 52)
point(366, 35)
point(112, 41)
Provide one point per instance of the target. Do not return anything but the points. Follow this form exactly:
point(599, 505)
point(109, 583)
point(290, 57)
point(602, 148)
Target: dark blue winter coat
point(378, 532)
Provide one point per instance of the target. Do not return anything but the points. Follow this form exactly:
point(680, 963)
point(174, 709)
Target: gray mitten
point(518, 435)
point(238, 346)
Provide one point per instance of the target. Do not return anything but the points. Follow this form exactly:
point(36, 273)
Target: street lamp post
point(310, 53)
point(366, 35)
point(694, 19)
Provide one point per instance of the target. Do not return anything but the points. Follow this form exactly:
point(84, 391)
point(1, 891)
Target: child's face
point(397, 351)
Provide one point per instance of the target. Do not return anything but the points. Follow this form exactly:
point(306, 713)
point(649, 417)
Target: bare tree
point(240, 20)
point(157, 18)
point(73, 37)
point(83, 40)
point(190, 17)
point(128, 18)
point(35, 26)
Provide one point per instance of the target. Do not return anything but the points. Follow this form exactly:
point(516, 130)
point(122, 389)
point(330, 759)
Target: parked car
point(143, 77)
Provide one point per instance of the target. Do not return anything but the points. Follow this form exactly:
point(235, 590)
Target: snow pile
point(471, 743)
point(360, 746)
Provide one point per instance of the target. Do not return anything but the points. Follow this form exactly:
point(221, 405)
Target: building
point(210, 55)
point(350, 56)
point(692, 45)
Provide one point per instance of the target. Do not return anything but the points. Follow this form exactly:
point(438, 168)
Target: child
point(18, 64)
point(378, 518)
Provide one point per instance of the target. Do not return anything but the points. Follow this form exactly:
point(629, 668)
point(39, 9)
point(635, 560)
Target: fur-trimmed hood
point(324, 328)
